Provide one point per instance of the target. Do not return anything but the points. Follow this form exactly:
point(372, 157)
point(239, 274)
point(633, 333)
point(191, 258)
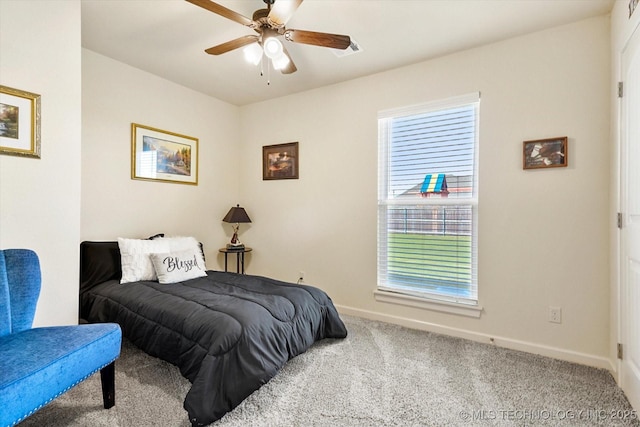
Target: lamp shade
point(236, 214)
point(253, 53)
point(273, 47)
point(280, 62)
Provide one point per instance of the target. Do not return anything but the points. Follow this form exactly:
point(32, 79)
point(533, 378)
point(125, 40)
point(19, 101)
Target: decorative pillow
point(134, 255)
point(180, 243)
point(179, 266)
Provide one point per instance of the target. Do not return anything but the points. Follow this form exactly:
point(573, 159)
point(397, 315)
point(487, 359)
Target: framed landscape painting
point(19, 123)
point(280, 161)
point(160, 155)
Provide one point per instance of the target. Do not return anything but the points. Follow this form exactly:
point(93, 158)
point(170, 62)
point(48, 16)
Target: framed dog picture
point(545, 153)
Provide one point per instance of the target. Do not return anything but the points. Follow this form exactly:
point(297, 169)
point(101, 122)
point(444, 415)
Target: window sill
point(428, 304)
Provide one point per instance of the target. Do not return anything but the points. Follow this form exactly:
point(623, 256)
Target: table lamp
point(236, 215)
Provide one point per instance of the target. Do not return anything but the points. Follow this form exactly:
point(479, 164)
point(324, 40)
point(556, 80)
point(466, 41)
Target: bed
point(228, 333)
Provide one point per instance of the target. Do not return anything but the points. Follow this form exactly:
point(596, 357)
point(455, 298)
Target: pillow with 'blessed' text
point(136, 264)
point(178, 266)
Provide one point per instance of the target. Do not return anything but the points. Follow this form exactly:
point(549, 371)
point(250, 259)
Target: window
point(428, 200)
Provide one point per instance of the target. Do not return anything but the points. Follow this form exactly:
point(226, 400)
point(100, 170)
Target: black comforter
point(228, 333)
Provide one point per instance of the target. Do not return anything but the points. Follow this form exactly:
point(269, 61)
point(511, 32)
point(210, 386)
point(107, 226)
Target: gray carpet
point(381, 375)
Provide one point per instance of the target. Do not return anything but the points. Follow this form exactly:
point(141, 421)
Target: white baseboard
point(529, 347)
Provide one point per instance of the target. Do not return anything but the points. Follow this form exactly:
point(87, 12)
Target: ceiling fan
point(270, 23)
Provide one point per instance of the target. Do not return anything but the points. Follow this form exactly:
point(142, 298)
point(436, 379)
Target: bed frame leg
point(108, 379)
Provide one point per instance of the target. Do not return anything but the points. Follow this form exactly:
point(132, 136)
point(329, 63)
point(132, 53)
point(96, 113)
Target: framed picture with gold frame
point(160, 155)
point(19, 122)
point(280, 161)
point(545, 153)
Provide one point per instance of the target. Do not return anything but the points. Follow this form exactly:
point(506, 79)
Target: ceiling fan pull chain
point(268, 73)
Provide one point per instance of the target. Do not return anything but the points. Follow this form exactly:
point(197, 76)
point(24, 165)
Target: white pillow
point(179, 266)
point(181, 243)
point(134, 256)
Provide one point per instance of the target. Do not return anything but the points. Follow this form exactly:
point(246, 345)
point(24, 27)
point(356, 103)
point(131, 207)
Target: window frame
point(398, 295)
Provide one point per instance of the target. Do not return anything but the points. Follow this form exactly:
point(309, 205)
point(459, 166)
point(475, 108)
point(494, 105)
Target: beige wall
point(543, 235)
point(113, 205)
point(40, 199)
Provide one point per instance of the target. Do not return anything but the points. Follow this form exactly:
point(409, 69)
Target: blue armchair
point(39, 364)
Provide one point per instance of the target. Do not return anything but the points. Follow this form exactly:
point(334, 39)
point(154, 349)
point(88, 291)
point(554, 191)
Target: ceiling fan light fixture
point(273, 48)
point(280, 62)
point(270, 24)
point(253, 53)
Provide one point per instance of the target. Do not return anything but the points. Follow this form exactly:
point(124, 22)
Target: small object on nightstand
point(233, 247)
point(239, 257)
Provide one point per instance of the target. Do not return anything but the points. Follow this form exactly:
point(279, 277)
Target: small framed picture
point(545, 153)
point(160, 155)
point(19, 123)
point(280, 161)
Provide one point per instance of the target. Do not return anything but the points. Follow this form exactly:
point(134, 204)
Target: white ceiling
point(168, 37)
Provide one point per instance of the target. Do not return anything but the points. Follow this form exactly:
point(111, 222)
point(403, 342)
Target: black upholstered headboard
point(99, 262)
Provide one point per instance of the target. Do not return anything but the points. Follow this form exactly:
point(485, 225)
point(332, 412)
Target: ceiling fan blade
point(282, 11)
point(335, 41)
point(223, 11)
point(232, 44)
point(290, 67)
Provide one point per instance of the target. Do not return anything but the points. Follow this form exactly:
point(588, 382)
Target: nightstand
point(239, 257)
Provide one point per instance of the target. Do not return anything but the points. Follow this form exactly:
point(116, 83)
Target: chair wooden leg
point(108, 379)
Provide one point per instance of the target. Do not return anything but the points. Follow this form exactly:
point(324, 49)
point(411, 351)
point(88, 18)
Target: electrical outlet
point(555, 314)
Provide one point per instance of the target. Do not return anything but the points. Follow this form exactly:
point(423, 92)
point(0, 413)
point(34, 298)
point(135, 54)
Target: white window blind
point(427, 200)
